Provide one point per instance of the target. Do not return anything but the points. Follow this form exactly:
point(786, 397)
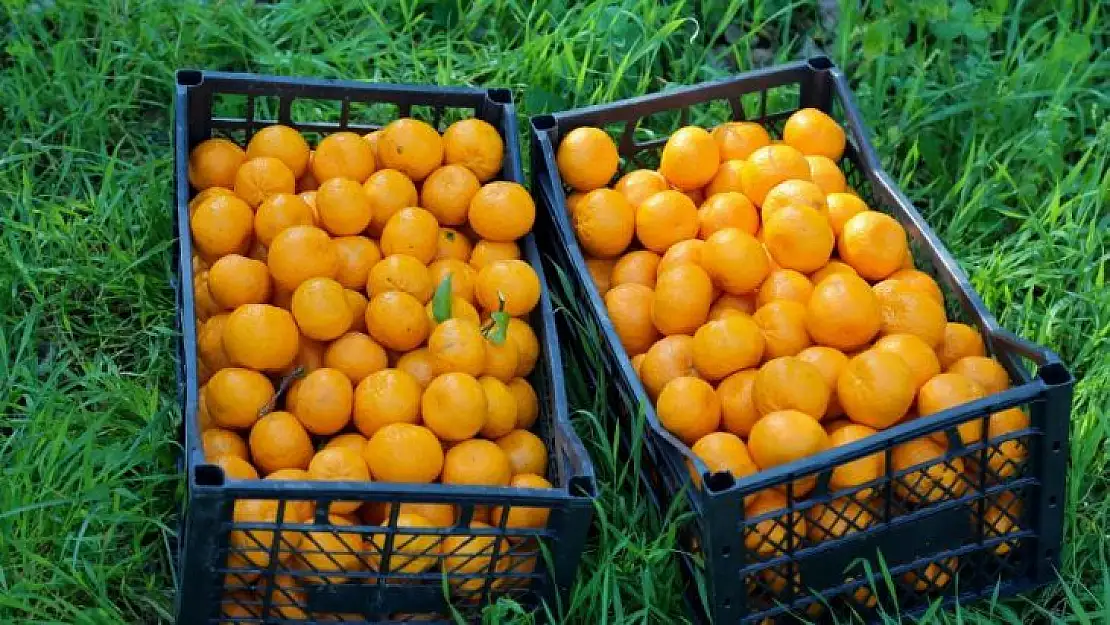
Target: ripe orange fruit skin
point(527, 403)
point(637, 186)
point(833, 267)
point(283, 143)
point(476, 145)
point(787, 383)
point(235, 280)
point(768, 166)
point(418, 553)
point(724, 452)
point(447, 192)
point(681, 253)
point(587, 158)
point(339, 464)
point(343, 155)
point(324, 401)
point(601, 269)
point(799, 238)
point(935, 482)
point(343, 207)
point(960, 340)
point(639, 267)
point(843, 312)
point(235, 467)
point(463, 277)
point(842, 207)
point(210, 343)
point(453, 245)
point(683, 296)
point(385, 397)
point(404, 452)
point(259, 178)
point(418, 363)
point(412, 147)
point(920, 281)
point(526, 452)
point(523, 516)
point(357, 302)
point(689, 408)
point(784, 436)
point(477, 462)
point(907, 310)
point(735, 261)
point(670, 357)
point(411, 231)
point(665, 219)
point(218, 442)
point(948, 390)
point(773, 535)
point(629, 308)
point(502, 211)
point(222, 225)
point(454, 406)
point(826, 174)
point(513, 280)
point(500, 408)
point(279, 441)
point(813, 132)
point(400, 272)
point(782, 323)
point(793, 193)
point(876, 389)
point(836, 519)
point(213, 163)
point(690, 158)
point(727, 179)
point(738, 413)
point(856, 472)
point(262, 337)
point(727, 209)
point(357, 254)
point(727, 304)
point(784, 284)
point(874, 244)
point(521, 334)
point(921, 358)
point(604, 223)
point(726, 346)
point(457, 345)
point(984, 371)
point(737, 140)
point(397, 321)
point(320, 309)
point(830, 362)
point(278, 212)
point(300, 253)
point(389, 191)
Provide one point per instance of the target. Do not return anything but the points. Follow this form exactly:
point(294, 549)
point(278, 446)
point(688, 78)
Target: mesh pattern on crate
point(299, 572)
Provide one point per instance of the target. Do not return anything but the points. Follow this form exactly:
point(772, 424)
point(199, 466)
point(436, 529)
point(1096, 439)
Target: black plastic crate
point(234, 572)
point(998, 528)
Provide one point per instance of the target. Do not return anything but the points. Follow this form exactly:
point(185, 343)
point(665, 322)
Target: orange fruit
point(511, 285)
point(343, 155)
point(454, 406)
point(385, 397)
point(906, 310)
point(960, 340)
point(283, 143)
point(681, 253)
point(411, 231)
point(694, 195)
point(783, 324)
point(222, 225)
point(447, 192)
point(306, 181)
point(235, 280)
point(218, 442)
point(500, 408)
point(279, 441)
point(527, 403)
point(259, 178)
point(351, 440)
point(737, 140)
point(299, 253)
point(463, 277)
point(203, 303)
point(727, 304)
point(637, 267)
point(477, 462)
point(735, 260)
point(320, 309)
point(939, 480)
point(328, 553)
point(985, 371)
point(629, 307)
point(457, 345)
point(604, 223)
point(600, 271)
point(841, 208)
point(1005, 457)
point(665, 219)
point(261, 337)
point(773, 535)
point(948, 390)
point(339, 464)
point(855, 472)
point(372, 138)
point(690, 158)
point(671, 357)
point(357, 302)
point(876, 389)
point(400, 272)
point(412, 147)
point(438, 514)
point(519, 333)
point(727, 210)
point(916, 353)
point(251, 548)
point(404, 452)
point(637, 186)
point(729, 178)
point(397, 321)
point(412, 552)
point(793, 193)
point(1003, 516)
point(418, 363)
point(920, 281)
point(572, 200)
point(235, 467)
point(278, 212)
point(723, 452)
point(523, 516)
point(798, 238)
point(830, 362)
point(476, 145)
point(213, 163)
point(502, 211)
point(767, 166)
point(389, 191)
point(204, 196)
point(682, 299)
point(874, 244)
point(357, 254)
point(324, 401)
point(826, 174)
point(833, 267)
point(210, 343)
point(726, 346)
point(738, 413)
point(460, 309)
point(813, 132)
point(310, 357)
point(689, 408)
point(467, 558)
point(587, 158)
point(787, 383)
point(452, 245)
point(836, 519)
point(784, 284)
point(526, 452)
point(843, 312)
point(783, 436)
point(343, 207)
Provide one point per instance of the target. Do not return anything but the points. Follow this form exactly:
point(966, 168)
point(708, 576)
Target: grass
point(993, 118)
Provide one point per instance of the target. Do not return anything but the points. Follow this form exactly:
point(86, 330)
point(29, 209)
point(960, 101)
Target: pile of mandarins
point(361, 312)
point(772, 314)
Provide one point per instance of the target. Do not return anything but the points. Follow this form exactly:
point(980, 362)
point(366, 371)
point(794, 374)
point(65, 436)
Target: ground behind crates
point(994, 119)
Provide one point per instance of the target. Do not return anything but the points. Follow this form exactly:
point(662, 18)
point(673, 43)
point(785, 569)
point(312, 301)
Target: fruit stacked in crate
point(361, 311)
point(771, 314)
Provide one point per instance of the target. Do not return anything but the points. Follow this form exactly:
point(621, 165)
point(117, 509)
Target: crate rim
point(579, 487)
point(1051, 371)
